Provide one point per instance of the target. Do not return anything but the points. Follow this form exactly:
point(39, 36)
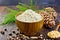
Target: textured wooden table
point(12, 26)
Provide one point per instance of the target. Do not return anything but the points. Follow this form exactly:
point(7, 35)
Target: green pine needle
point(9, 18)
point(21, 8)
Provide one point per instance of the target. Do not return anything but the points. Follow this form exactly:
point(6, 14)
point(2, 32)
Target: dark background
point(39, 2)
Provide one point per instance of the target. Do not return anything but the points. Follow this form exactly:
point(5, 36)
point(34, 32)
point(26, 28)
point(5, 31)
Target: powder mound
point(29, 16)
point(54, 34)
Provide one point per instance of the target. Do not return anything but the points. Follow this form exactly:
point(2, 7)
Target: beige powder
point(29, 16)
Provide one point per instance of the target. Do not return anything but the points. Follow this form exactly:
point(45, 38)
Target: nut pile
point(3, 31)
point(50, 16)
point(54, 34)
point(17, 35)
point(20, 36)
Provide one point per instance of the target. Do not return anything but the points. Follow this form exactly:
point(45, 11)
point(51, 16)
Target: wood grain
point(12, 26)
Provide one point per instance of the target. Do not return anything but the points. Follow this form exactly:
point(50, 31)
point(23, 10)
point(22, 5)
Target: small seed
point(20, 34)
point(34, 37)
point(17, 33)
point(41, 35)
point(13, 36)
point(10, 34)
point(5, 29)
point(27, 37)
point(2, 32)
point(8, 38)
point(17, 38)
point(47, 39)
point(13, 32)
point(43, 39)
point(17, 29)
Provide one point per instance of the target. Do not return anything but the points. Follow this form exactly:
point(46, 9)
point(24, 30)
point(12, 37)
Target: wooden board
point(12, 26)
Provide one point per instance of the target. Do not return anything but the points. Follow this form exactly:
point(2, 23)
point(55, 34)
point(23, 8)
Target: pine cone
point(51, 11)
point(49, 18)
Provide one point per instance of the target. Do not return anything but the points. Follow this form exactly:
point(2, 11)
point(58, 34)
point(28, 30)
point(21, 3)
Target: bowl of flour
point(29, 22)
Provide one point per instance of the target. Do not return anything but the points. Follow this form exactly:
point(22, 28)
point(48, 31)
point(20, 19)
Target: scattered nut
point(17, 29)
point(13, 32)
point(10, 34)
point(5, 29)
point(41, 35)
point(47, 39)
point(34, 37)
point(2, 32)
point(43, 39)
point(17, 33)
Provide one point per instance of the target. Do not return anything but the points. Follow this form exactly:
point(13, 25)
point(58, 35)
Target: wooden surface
point(38, 2)
point(12, 26)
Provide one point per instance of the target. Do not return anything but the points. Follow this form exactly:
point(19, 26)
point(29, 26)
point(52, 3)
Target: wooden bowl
point(29, 28)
